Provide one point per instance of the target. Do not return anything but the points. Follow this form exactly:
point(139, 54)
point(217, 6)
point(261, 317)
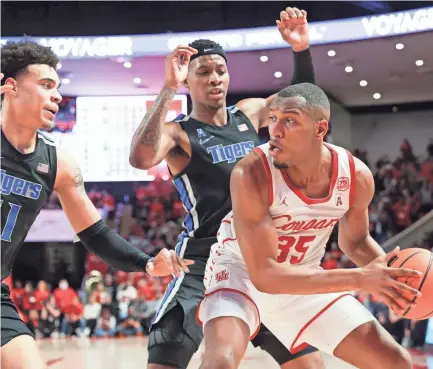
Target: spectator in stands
point(417, 331)
point(130, 326)
point(127, 290)
point(100, 292)
point(28, 302)
point(426, 196)
point(64, 294)
point(17, 293)
point(73, 322)
point(407, 151)
point(106, 324)
point(329, 262)
point(49, 318)
point(393, 323)
point(402, 214)
point(92, 311)
point(145, 309)
point(110, 287)
point(41, 294)
point(33, 321)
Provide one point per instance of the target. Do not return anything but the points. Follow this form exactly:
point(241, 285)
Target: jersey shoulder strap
point(46, 138)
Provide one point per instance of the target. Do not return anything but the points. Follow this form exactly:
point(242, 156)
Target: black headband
point(209, 50)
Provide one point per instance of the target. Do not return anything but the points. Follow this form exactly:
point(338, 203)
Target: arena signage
point(399, 23)
point(80, 47)
point(260, 38)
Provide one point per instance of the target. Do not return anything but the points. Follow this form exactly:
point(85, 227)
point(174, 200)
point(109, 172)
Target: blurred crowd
point(404, 194)
point(119, 304)
point(113, 303)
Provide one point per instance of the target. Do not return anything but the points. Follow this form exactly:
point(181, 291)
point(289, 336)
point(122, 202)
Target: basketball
point(421, 260)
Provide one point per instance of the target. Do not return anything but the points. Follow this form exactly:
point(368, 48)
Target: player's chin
point(279, 164)
point(46, 124)
point(216, 103)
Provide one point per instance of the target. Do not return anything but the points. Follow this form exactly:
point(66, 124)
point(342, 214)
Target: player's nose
point(57, 98)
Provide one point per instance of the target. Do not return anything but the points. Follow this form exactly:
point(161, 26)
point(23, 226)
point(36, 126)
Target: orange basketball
point(421, 260)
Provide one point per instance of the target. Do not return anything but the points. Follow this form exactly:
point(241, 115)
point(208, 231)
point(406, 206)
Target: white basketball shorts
point(321, 320)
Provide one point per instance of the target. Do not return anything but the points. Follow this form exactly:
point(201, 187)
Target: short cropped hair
point(314, 98)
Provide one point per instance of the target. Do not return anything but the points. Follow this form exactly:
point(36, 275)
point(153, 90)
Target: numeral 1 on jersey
point(285, 243)
point(11, 220)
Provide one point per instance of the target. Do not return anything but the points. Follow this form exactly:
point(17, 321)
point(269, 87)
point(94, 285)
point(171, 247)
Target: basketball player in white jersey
point(287, 196)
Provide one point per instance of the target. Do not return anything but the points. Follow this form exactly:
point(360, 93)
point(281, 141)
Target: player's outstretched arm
point(353, 231)
point(258, 241)
point(293, 27)
point(96, 236)
point(154, 138)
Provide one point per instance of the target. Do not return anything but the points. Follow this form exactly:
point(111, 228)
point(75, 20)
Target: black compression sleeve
point(303, 67)
point(113, 249)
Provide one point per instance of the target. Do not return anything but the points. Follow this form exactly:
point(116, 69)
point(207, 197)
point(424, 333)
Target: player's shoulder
point(361, 169)
point(251, 168)
point(364, 182)
point(67, 166)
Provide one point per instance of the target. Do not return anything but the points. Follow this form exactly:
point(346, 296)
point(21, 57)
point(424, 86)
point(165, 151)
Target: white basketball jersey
point(303, 224)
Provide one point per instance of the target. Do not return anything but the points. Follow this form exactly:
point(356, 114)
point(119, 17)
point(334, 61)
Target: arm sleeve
point(113, 249)
point(303, 67)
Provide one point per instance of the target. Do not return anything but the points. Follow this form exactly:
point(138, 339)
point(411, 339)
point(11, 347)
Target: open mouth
point(216, 92)
point(274, 148)
point(52, 112)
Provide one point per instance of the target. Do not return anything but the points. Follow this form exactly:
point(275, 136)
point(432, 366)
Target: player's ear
point(12, 82)
point(185, 83)
point(322, 128)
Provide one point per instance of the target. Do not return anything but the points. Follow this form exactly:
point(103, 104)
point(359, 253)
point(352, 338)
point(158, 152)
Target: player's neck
point(21, 138)
point(313, 169)
point(215, 117)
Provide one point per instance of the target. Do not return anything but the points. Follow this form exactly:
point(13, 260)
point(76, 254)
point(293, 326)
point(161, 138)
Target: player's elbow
point(139, 161)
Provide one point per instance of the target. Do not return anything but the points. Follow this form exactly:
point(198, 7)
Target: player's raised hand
point(381, 280)
point(167, 262)
point(293, 27)
point(176, 65)
point(5, 88)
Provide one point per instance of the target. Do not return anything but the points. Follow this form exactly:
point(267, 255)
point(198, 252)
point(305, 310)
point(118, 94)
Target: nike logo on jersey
point(203, 141)
point(205, 50)
point(18, 186)
point(230, 153)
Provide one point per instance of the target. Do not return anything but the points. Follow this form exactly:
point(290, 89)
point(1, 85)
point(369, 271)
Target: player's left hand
point(167, 262)
point(293, 27)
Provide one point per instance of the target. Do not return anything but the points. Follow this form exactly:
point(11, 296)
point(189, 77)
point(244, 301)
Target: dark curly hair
point(204, 43)
point(17, 56)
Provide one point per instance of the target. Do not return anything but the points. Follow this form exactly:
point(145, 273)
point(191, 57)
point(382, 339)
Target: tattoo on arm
point(78, 180)
point(149, 131)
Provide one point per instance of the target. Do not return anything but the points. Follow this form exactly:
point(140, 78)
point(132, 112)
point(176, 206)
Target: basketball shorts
point(175, 335)
point(11, 324)
point(321, 320)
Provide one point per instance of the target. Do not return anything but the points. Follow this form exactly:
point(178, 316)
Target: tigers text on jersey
point(27, 181)
point(204, 185)
point(303, 224)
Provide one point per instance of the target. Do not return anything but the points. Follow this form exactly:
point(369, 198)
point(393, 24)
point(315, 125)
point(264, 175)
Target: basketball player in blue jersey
point(32, 167)
point(201, 150)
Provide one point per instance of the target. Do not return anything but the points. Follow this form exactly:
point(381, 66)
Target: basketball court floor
point(131, 353)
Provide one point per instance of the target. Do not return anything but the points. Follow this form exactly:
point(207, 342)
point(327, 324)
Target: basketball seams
point(424, 278)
